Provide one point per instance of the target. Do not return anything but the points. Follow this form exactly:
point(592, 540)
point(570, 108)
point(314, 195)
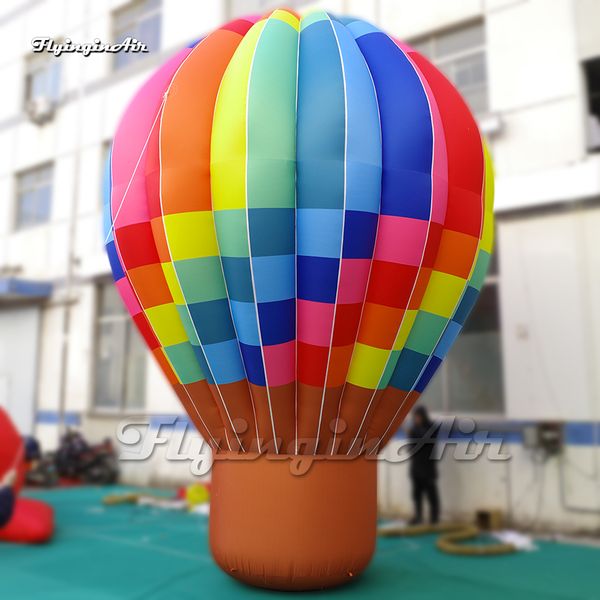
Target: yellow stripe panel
point(487, 237)
point(443, 293)
point(286, 17)
point(368, 364)
point(191, 235)
point(166, 324)
point(173, 283)
point(228, 142)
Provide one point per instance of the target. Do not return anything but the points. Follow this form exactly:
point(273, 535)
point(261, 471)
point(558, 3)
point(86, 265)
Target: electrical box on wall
point(545, 435)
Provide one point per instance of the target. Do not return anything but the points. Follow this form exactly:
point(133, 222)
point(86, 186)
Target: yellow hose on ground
point(451, 540)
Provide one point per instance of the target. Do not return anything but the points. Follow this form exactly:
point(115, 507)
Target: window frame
point(130, 330)
point(591, 146)
point(446, 410)
point(139, 14)
point(431, 40)
point(20, 189)
point(45, 62)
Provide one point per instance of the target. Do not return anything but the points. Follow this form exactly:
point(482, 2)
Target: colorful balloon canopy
point(299, 219)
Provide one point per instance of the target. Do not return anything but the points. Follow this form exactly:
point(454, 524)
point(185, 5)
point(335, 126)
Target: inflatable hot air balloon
point(299, 219)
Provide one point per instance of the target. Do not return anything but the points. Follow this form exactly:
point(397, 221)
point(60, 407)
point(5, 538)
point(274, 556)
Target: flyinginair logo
point(46, 44)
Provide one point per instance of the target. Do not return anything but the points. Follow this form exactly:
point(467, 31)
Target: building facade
point(530, 70)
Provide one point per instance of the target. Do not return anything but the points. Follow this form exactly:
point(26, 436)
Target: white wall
point(526, 489)
point(549, 311)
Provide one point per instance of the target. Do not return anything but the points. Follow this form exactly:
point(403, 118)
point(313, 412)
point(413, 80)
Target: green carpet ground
point(127, 552)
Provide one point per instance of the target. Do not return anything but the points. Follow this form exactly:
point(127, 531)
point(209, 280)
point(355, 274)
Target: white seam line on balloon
point(137, 164)
point(175, 270)
point(118, 249)
point(337, 41)
point(262, 352)
point(296, 249)
point(362, 310)
point(414, 286)
point(456, 306)
point(227, 288)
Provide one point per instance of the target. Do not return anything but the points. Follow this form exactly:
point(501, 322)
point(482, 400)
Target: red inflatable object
point(12, 454)
point(32, 521)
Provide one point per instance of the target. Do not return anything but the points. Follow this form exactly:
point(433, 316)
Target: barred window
point(42, 78)
point(460, 54)
point(34, 196)
point(140, 20)
point(120, 369)
point(470, 378)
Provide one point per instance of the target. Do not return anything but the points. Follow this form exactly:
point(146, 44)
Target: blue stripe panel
point(321, 231)
point(363, 132)
point(212, 321)
point(198, 352)
point(358, 27)
point(252, 356)
point(321, 123)
point(467, 303)
point(115, 263)
point(445, 343)
point(428, 373)
point(238, 278)
point(271, 231)
point(244, 317)
point(224, 359)
point(317, 278)
point(360, 229)
point(408, 368)
point(407, 133)
point(274, 277)
point(277, 321)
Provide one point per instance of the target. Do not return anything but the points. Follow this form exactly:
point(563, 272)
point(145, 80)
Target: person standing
point(423, 465)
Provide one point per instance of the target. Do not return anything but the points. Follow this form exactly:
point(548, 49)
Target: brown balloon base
point(276, 524)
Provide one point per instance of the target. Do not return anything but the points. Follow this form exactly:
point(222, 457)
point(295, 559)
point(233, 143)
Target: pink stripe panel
point(129, 143)
point(128, 295)
point(315, 320)
point(280, 363)
point(353, 280)
point(401, 240)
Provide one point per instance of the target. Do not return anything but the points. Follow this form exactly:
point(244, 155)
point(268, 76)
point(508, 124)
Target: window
point(42, 78)
point(460, 54)
point(240, 8)
point(592, 78)
point(470, 378)
point(120, 373)
point(34, 196)
point(140, 20)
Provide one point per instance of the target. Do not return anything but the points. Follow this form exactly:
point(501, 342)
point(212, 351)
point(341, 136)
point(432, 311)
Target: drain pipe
point(68, 299)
